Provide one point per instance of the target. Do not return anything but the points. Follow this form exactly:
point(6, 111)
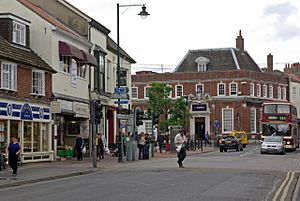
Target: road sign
point(119, 96)
point(121, 102)
point(216, 124)
point(124, 116)
point(121, 90)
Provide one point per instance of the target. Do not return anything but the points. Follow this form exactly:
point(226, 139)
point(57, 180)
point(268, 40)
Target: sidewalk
point(45, 171)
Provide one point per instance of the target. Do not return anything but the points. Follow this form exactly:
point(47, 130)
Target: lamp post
point(143, 15)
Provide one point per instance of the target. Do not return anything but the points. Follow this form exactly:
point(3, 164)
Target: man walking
point(180, 144)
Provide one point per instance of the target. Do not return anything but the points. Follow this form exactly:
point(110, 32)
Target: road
point(214, 176)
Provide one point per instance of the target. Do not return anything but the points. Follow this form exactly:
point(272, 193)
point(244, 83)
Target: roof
point(294, 77)
point(112, 46)
point(99, 27)
point(220, 59)
point(22, 55)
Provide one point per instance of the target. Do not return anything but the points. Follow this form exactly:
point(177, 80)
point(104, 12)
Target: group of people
point(144, 142)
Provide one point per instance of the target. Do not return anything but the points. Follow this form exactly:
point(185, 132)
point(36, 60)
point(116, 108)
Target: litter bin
point(168, 147)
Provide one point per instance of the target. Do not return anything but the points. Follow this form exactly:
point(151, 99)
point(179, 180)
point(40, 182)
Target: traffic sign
point(121, 90)
point(216, 124)
point(124, 116)
point(119, 96)
point(121, 102)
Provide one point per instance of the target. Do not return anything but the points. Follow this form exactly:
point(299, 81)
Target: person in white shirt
point(180, 145)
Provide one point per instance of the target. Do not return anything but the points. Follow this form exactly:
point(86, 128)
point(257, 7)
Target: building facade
point(225, 89)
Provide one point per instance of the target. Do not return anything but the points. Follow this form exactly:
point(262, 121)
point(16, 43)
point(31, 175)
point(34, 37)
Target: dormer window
point(202, 64)
point(19, 33)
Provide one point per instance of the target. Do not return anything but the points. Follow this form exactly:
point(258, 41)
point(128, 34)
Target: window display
point(27, 137)
point(36, 137)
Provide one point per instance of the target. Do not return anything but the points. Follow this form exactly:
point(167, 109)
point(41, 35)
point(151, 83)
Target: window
point(9, 76)
point(108, 67)
point(260, 121)
point(227, 120)
point(265, 91)
point(200, 88)
point(19, 33)
point(258, 90)
point(284, 93)
point(65, 63)
point(38, 82)
point(81, 70)
point(179, 90)
point(134, 92)
point(251, 89)
point(233, 89)
point(270, 91)
point(279, 92)
point(294, 92)
point(101, 73)
point(146, 92)
point(148, 127)
point(253, 120)
point(221, 89)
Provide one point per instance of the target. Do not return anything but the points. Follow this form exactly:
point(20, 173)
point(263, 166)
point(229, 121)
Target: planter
point(69, 152)
point(61, 152)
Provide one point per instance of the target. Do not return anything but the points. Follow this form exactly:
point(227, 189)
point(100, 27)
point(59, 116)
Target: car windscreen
point(228, 138)
point(272, 139)
point(276, 130)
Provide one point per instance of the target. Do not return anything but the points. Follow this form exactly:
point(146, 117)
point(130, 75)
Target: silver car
point(273, 144)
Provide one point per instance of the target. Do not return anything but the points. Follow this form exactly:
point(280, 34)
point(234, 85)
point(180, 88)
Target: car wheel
point(241, 149)
point(261, 152)
point(237, 149)
point(221, 150)
point(225, 150)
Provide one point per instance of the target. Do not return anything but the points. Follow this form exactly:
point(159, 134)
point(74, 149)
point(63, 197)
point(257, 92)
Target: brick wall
point(6, 28)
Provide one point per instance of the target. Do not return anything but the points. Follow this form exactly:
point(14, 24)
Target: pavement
point(45, 171)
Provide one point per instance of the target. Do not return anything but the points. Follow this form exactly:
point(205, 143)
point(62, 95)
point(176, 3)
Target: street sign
point(119, 96)
point(124, 116)
point(216, 124)
point(121, 90)
point(121, 102)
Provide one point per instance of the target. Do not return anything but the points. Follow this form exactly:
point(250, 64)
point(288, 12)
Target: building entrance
point(199, 128)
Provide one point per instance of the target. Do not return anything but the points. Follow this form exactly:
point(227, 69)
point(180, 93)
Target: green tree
point(180, 114)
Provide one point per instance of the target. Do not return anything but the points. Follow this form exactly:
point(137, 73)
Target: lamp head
point(143, 13)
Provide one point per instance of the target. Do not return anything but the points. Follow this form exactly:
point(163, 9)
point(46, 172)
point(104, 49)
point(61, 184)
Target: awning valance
point(66, 49)
point(89, 58)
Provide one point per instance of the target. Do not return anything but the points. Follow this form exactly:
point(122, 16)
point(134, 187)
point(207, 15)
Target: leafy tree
point(180, 114)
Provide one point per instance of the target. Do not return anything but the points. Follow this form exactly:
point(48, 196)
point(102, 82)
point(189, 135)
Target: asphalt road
point(214, 176)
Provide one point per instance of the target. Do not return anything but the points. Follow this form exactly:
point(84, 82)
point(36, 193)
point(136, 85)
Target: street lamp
point(143, 15)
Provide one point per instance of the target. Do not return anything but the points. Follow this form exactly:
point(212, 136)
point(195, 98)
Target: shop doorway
point(15, 129)
point(111, 130)
point(199, 128)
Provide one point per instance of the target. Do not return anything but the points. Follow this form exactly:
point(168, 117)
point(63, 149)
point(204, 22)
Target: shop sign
point(55, 107)
point(199, 107)
point(73, 73)
point(26, 112)
point(66, 105)
point(81, 109)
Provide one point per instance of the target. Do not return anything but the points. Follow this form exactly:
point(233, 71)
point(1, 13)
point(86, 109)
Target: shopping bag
point(83, 150)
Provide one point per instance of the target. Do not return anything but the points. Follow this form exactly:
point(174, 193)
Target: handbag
point(83, 150)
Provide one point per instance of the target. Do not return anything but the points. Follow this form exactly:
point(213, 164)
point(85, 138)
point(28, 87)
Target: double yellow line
point(284, 187)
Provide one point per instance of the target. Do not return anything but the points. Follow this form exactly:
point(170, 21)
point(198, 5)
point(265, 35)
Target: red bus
point(280, 119)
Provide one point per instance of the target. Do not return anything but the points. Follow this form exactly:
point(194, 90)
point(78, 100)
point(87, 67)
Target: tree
point(180, 114)
point(160, 102)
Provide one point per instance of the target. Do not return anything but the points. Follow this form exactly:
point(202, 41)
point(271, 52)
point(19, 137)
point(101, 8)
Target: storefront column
point(21, 131)
point(8, 132)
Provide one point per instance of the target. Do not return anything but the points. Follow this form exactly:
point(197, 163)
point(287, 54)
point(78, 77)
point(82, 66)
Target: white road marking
point(250, 152)
point(295, 194)
point(286, 189)
point(281, 186)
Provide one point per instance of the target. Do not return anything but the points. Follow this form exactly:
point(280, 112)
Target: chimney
point(240, 41)
point(270, 63)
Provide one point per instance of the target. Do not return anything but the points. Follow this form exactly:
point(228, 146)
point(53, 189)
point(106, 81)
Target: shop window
point(19, 33)
point(8, 76)
point(36, 137)
point(27, 137)
point(45, 138)
point(3, 135)
point(38, 82)
point(65, 63)
point(14, 129)
point(73, 127)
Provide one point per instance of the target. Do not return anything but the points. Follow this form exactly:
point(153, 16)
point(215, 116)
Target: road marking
point(286, 189)
point(295, 194)
point(249, 152)
point(281, 187)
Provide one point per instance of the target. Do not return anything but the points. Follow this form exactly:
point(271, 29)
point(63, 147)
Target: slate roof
point(22, 55)
point(221, 59)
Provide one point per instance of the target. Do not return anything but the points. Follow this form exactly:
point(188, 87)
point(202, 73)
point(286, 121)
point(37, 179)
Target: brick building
point(25, 91)
point(222, 85)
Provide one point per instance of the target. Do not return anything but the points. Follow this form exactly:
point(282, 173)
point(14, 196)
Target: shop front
point(31, 125)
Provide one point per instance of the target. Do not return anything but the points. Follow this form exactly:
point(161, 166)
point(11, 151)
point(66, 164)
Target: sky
point(160, 41)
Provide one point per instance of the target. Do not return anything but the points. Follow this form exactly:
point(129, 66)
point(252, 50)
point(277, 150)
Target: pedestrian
point(160, 140)
point(13, 150)
point(124, 143)
point(180, 145)
point(206, 137)
point(79, 145)
point(147, 146)
point(100, 146)
point(141, 146)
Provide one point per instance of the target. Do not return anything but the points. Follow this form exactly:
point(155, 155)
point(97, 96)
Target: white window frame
point(200, 85)
point(12, 76)
point(294, 91)
point(236, 89)
point(148, 127)
point(145, 92)
point(284, 93)
point(253, 121)
point(278, 92)
point(176, 91)
point(223, 120)
point(19, 33)
point(218, 89)
point(265, 91)
point(42, 87)
point(271, 91)
point(137, 93)
point(258, 90)
point(252, 89)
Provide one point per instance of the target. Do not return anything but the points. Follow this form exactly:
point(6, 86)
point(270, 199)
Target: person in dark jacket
point(14, 150)
point(79, 146)
point(160, 140)
point(147, 146)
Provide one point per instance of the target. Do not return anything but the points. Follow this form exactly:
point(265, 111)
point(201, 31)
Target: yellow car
point(240, 135)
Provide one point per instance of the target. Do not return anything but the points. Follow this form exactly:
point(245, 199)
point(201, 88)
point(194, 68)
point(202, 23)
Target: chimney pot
point(240, 41)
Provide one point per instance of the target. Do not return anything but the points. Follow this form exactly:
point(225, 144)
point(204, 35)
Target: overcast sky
point(175, 26)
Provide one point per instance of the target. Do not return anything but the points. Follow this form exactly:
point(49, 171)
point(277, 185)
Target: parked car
point(272, 144)
point(230, 142)
point(242, 136)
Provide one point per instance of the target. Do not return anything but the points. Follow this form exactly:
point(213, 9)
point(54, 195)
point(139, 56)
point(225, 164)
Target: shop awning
point(66, 49)
point(89, 58)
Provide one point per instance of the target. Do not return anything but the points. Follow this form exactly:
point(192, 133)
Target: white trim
point(145, 92)
point(179, 85)
point(14, 18)
point(258, 89)
point(237, 88)
point(15, 66)
point(283, 94)
point(14, 37)
point(235, 59)
point(253, 89)
point(271, 90)
point(255, 129)
point(43, 84)
point(137, 92)
point(265, 89)
point(218, 92)
point(279, 93)
point(227, 108)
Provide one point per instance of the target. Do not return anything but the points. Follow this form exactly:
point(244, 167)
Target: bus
point(280, 119)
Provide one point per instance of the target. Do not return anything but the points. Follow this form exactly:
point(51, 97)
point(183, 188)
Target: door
point(111, 139)
point(199, 127)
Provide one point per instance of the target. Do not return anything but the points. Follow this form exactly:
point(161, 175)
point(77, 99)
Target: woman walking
point(14, 150)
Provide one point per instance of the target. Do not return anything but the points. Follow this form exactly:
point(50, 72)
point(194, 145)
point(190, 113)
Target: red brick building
point(222, 85)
